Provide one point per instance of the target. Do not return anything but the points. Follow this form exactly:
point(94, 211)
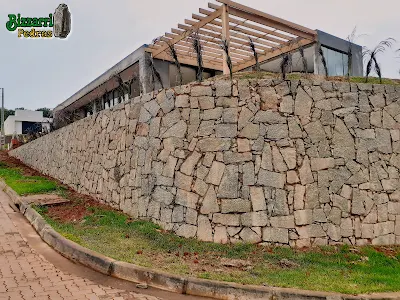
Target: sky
point(39, 73)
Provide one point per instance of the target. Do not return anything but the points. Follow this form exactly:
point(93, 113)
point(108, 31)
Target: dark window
point(30, 127)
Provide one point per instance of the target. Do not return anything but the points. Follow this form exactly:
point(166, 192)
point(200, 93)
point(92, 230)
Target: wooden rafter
point(235, 23)
point(273, 54)
point(275, 22)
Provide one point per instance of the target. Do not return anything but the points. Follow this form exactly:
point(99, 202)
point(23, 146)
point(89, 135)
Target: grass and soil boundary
point(344, 269)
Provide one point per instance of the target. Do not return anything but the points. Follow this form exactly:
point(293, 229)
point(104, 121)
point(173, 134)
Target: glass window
point(337, 62)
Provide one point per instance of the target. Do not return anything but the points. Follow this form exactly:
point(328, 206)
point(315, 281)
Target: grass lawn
point(338, 269)
point(297, 76)
point(25, 185)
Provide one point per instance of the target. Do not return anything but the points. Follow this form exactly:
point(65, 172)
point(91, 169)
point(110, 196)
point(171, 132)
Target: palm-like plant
point(174, 55)
point(199, 53)
point(286, 63)
point(154, 74)
point(255, 54)
point(323, 60)
point(371, 57)
point(303, 59)
point(350, 40)
point(225, 47)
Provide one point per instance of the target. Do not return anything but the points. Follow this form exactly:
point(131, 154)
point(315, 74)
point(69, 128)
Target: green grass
point(297, 76)
point(341, 269)
point(374, 80)
point(25, 185)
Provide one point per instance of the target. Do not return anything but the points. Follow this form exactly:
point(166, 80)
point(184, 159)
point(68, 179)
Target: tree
point(47, 112)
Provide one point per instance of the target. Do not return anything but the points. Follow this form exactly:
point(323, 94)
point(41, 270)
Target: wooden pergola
point(235, 23)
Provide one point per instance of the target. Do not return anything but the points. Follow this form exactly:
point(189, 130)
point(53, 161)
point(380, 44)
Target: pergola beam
point(236, 24)
point(272, 54)
point(209, 18)
point(186, 60)
point(275, 22)
point(212, 41)
point(233, 33)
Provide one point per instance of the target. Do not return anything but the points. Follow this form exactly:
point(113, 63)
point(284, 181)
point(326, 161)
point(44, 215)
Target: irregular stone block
point(235, 206)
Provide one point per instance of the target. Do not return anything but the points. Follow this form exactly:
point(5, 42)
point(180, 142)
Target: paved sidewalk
point(24, 274)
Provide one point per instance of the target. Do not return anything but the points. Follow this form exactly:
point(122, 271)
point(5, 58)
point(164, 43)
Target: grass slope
point(25, 185)
point(337, 269)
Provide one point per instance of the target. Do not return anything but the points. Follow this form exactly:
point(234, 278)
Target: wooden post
point(225, 36)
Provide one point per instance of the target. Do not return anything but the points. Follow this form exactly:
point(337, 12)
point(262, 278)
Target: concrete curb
point(166, 281)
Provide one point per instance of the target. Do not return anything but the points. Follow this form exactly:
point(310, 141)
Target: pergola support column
point(225, 36)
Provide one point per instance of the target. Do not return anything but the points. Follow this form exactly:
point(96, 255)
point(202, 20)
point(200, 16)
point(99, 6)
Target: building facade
point(273, 38)
point(26, 121)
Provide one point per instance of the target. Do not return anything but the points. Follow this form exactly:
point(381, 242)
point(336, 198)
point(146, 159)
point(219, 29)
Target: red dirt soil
point(71, 212)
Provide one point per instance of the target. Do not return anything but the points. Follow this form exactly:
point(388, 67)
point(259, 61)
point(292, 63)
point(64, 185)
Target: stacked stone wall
point(298, 163)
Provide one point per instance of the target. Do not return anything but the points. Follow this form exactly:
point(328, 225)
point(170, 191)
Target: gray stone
point(249, 236)
point(162, 195)
point(269, 117)
point(187, 231)
point(305, 172)
point(289, 155)
point(182, 101)
point(295, 131)
point(383, 228)
point(252, 219)
point(343, 141)
point(244, 117)
point(318, 164)
point(210, 204)
point(383, 141)
point(279, 205)
point(212, 114)
point(277, 160)
point(283, 222)
point(178, 130)
point(206, 102)
point(303, 103)
point(186, 198)
point(287, 105)
point(216, 172)
point(214, 144)
point(226, 130)
point(177, 214)
point(250, 131)
point(271, 179)
point(229, 187)
point(311, 231)
point(248, 174)
point(182, 181)
point(220, 235)
point(62, 21)
point(277, 131)
point(303, 217)
point(190, 163)
point(223, 88)
point(257, 198)
point(201, 91)
point(315, 131)
point(235, 206)
point(276, 235)
point(377, 101)
point(204, 231)
point(227, 219)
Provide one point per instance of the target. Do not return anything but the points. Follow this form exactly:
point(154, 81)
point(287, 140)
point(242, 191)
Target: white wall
point(9, 125)
point(13, 124)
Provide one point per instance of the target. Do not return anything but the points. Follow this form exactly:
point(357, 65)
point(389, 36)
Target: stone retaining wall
point(288, 162)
